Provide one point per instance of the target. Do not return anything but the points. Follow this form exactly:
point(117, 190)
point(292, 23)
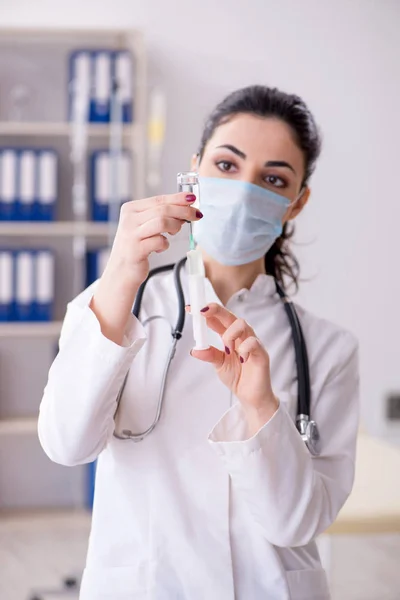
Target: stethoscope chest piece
point(308, 430)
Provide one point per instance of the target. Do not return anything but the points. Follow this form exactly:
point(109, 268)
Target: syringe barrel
point(197, 302)
point(197, 297)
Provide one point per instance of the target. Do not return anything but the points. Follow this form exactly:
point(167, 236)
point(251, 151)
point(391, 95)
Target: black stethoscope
point(307, 428)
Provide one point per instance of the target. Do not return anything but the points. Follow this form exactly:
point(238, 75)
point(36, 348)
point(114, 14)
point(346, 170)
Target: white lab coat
point(198, 510)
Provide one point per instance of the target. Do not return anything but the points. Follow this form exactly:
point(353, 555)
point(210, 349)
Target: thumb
point(211, 355)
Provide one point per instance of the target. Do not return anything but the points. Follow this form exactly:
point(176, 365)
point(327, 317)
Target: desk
point(374, 504)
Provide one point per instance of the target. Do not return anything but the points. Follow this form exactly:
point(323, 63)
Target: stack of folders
point(101, 165)
point(26, 285)
point(98, 71)
point(28, 184)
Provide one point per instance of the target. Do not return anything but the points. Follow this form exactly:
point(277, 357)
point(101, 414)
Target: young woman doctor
point(223, 500)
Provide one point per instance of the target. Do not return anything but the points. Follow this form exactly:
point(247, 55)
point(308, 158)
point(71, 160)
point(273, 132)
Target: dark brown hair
point(270, 102)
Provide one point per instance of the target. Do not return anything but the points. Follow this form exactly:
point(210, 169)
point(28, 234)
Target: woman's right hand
point(140, 232)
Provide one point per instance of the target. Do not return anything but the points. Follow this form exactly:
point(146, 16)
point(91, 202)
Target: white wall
point(343, 57)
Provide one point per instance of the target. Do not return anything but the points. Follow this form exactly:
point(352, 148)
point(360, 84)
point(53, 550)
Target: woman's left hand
point(243, 367)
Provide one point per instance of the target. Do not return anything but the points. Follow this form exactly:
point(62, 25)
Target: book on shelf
point(101, 164)
point(26, 285)
point(95, 74)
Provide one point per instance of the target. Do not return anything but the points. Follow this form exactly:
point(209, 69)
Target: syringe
point(189, 182)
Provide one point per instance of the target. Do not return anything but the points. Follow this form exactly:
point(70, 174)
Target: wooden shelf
point(30, 330)
point(88, 36)
point(21, 128)
point(21, 426)
point(53, 229)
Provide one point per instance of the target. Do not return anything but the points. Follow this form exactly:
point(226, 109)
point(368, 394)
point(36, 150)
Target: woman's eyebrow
point(269, 163)
point(234, 150)
point(279, 163)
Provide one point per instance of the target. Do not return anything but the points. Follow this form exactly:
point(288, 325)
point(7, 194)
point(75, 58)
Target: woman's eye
point(226, 166)
point(275, 181)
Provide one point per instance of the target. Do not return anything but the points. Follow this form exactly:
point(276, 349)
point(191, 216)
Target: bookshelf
point(37, 60)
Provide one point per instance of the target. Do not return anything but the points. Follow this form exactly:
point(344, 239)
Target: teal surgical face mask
point(241, 220)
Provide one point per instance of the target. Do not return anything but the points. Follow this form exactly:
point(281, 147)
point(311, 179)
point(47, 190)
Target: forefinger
point(222, 314)
point(213, 323)
point(181, 199)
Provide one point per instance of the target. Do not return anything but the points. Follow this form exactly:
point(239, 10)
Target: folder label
point(82, 75)
point(24, 278)
point(44, 277)
point(6, 277)
point(24, 286)
point(123, 73)
point(9, 176)
point(8, 185)
point(101, 96)
point(27, 177)
point(102, 77)
point(47, 177)
point(27, 185)
point(6, 285)
point(102, 178)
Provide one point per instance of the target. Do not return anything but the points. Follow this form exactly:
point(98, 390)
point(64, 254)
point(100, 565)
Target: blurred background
point(105, 102)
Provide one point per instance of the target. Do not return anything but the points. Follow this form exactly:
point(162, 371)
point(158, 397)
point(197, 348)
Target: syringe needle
point(192, 244)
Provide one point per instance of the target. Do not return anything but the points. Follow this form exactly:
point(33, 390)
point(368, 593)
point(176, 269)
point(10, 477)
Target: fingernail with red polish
point(190, 198)
point(205, 309)
point(227, 350)
point(199, 214)
point(241, 359)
